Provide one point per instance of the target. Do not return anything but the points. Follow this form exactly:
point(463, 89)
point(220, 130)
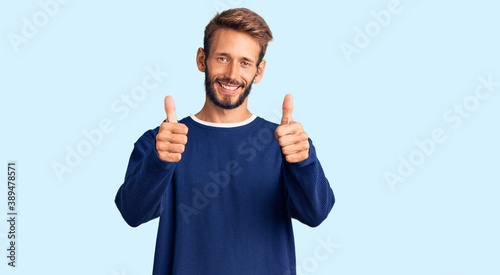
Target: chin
point(229, 99)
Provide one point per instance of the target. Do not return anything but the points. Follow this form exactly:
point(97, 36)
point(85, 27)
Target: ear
point(260, 71)
point(200, 60)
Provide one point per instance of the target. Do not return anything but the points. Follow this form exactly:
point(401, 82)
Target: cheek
point(248, 76)
point(214, 69)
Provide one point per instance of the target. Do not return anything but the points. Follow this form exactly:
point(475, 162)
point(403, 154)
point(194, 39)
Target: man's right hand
point(172, 136)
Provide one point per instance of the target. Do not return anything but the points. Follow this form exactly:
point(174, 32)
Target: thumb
point(287, 109)
point(170, 109)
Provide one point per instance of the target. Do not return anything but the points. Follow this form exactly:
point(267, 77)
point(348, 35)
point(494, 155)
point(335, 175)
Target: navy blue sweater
point(226, 206)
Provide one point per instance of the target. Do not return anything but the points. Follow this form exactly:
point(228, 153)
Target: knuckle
point(169, 147)
point(176, 157)
point(306, 145)
point(165, 126)
point(184, 128)
point(161, 136)
point(281, 141)
point(162, 156)
point(160, 144)
point(304, 157)
point(175, 148)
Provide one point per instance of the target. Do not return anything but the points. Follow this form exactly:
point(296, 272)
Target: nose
point(233, 71)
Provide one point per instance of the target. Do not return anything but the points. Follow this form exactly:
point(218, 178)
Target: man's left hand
point(293, 140)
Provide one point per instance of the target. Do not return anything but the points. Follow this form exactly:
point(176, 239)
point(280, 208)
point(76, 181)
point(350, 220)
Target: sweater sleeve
point(139, 198)
point(309, 195)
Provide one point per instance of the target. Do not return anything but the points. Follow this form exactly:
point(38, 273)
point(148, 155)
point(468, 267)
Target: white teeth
point(229, 87)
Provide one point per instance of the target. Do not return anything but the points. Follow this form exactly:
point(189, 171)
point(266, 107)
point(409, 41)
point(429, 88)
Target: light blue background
point(362, 115)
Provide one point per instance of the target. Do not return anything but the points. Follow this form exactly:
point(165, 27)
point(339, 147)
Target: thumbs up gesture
point(293, 140)
point(172, 136)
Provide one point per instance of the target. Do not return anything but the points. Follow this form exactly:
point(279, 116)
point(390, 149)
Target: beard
point(225, 102)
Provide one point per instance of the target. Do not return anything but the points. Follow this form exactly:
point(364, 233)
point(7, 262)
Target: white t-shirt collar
point(224, 125)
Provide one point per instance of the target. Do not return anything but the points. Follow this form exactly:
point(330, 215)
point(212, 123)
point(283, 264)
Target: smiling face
point(231, 67)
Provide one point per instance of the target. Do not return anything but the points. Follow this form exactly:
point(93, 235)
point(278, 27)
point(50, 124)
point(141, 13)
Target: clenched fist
point(172, 136)
point(293, 140)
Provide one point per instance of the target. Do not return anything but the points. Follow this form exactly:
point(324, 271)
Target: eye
point(246, 64)
point(223, 59)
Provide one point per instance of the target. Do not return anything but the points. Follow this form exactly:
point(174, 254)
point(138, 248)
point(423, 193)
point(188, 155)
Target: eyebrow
point(228, 55)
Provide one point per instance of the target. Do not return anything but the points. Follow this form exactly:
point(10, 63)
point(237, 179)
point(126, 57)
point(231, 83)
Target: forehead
point(235, 43)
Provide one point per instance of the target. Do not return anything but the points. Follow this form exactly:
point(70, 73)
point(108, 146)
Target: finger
point(170, 109)
point(292, 139)
point(171, 148)
point(178, 128)
point(178, 139)
point(295, 148)
point(289, 129)
point(173, 128)
point(287, 109)
point(166, 138)
point(170, 157)
point(171, 138)
point(298, 157)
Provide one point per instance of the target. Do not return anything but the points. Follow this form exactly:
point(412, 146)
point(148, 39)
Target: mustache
point(229, 81)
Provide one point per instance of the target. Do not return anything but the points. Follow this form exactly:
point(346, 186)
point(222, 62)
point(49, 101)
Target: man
point(224, 182)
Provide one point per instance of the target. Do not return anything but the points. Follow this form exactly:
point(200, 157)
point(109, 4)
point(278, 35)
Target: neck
point(213, 113)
